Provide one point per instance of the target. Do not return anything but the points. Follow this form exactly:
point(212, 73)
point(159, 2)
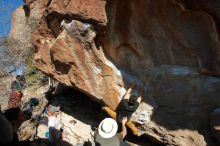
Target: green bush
point(33, 76)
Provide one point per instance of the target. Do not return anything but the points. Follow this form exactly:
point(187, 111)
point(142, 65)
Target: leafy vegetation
point(33, 76)
point(15, 53)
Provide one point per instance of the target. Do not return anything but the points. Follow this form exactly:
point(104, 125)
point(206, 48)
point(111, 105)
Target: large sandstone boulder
point(160, 45)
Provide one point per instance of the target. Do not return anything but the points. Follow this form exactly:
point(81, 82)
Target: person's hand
point(139, 99)
point(128, 93)
point(124, 120)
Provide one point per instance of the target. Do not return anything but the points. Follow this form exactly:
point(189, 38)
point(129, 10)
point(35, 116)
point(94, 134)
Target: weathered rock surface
point(159, 44)
point(215, 124)
point(87, 10)
point(5, 90)
point(19, 28)
point(24, 21)
point(35, 8)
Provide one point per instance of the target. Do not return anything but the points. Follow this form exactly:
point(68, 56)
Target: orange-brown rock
point(159, 44)
point(35, 8)
point(78, 63)
point(86, 8)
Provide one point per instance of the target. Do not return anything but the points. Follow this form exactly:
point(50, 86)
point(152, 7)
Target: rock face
point(5, 88)
point(100, 47)
point(214, 123)
point(19, 24)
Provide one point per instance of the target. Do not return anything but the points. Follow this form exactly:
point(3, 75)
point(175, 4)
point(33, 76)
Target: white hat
point(107, 128)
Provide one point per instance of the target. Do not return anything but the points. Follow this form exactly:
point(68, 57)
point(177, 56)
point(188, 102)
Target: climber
point(53, 124)
point(107, 133)
point(128, 106)
point(50, 93)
